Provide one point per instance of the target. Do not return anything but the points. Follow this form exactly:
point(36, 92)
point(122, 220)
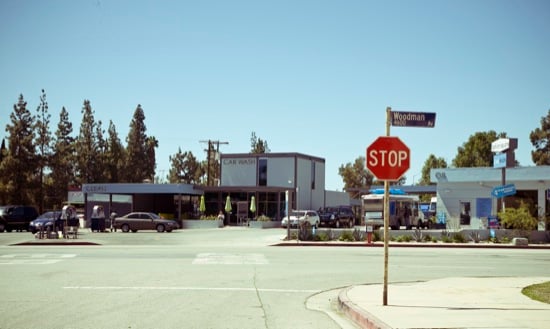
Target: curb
point(359, 316)
point(411, 245)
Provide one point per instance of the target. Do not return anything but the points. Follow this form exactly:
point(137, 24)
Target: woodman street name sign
point(412, 119)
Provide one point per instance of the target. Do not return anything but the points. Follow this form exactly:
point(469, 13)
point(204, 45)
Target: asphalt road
point(220, 278)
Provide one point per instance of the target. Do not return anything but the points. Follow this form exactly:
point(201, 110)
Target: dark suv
point(16, 217)
point(339, 216)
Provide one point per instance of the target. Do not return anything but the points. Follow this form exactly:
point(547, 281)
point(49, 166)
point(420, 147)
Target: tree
point(86, 147)
point(115, 155)
point(540, 138)
point(150, 144)
point(19, 166)
point(43, 146)
point(3, 150)
point(518, 218)
point(356, 175)
point(137, 170)
point(185, 168)
point(258, 146)
point(476, 152)
point(63, 160)
point(431, 163)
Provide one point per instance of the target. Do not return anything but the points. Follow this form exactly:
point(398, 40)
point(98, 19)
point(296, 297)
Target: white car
point(300, 216)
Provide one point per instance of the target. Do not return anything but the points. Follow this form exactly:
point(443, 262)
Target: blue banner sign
point(503, 190)
point(413, 119)
point(499, 160)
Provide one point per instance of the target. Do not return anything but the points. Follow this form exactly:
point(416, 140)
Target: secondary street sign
point(388, 158)
point(503, 190)
point(413, 119)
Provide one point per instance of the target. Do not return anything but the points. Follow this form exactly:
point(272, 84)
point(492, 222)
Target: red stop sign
point(388, 158)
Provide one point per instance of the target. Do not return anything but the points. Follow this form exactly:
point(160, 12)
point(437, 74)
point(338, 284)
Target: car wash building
point(468, 196)
point(265, 179)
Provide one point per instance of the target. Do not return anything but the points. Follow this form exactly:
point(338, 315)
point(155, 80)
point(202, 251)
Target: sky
point(313, 77)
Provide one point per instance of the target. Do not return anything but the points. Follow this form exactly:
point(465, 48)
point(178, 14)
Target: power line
point(208, 155)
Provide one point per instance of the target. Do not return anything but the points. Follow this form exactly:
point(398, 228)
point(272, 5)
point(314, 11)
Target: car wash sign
point(412, 119)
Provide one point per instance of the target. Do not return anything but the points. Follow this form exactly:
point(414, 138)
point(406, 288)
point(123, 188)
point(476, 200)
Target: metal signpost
point(388, 158)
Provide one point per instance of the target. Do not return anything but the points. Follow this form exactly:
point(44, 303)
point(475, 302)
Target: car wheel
point(125, 228)
point(160, 228)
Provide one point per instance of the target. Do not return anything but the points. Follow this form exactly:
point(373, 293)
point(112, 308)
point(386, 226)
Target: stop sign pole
point(388, 159)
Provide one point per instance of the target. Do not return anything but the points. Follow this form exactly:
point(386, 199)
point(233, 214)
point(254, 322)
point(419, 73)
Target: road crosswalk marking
point(33, 259)
point(229, 259)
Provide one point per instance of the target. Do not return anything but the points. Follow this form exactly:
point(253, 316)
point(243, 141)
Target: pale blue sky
point(312, 77)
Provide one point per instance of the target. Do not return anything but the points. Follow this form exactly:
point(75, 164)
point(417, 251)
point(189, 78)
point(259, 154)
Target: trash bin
point(98, 219)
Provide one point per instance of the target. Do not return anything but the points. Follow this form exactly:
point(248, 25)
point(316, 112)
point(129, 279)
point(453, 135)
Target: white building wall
point(280, 172)
point(239, 171)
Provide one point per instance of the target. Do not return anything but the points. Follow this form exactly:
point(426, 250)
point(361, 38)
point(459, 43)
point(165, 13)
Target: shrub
point(263, 218)
point(418, 236)
point(322, 236)
point(209, 217)
point(459, 238)
point(304, 231)
point(518, 218)
point(358, 235)
point(346, 236)
point(404, 238)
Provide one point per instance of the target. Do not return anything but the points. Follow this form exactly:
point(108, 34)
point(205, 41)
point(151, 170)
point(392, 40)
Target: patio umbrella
point(202, 205)
point(253, 204)
point(228, 204)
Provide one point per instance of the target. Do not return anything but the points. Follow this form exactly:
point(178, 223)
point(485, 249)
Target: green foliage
point(356, 175)
point(431, 163)
point(208, 217)
point(346, 236)
point(404, 238)
point(18, 167)
point(539, 292)
point(257, 145)
point(476, 152)
point(358, 235)
point(540, 138)
point(185, 168)
point(304, 231)
point(518, 218)
point(138, 168)
point(321, 236)
point(263, 218)
point(458, 238)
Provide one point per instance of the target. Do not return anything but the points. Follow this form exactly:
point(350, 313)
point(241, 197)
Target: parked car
point(16, 217)
point(299, 216)
point(135, 221)
point(340, 216)
point(45, 221)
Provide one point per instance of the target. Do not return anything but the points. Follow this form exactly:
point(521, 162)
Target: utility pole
point(209, 155)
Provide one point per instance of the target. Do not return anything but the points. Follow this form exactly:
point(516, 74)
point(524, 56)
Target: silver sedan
point(135, 221)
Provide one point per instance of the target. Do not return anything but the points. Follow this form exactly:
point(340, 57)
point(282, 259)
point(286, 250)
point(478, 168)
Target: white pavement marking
point(229, 259)
point(192, 289)
point(33, 259)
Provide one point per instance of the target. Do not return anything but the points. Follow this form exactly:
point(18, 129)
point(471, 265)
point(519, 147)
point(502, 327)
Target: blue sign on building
point(503, 190)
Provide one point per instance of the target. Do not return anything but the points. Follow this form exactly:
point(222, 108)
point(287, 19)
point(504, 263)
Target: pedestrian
point(113, 216)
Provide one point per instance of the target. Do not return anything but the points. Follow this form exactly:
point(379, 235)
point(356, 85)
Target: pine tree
point(43, 148)
point(19, 166)
point(136, 149)
point(115, 156)
point(86, 143)
point(63, 159)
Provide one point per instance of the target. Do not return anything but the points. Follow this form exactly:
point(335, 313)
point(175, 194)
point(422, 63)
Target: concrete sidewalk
point(448, 303)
